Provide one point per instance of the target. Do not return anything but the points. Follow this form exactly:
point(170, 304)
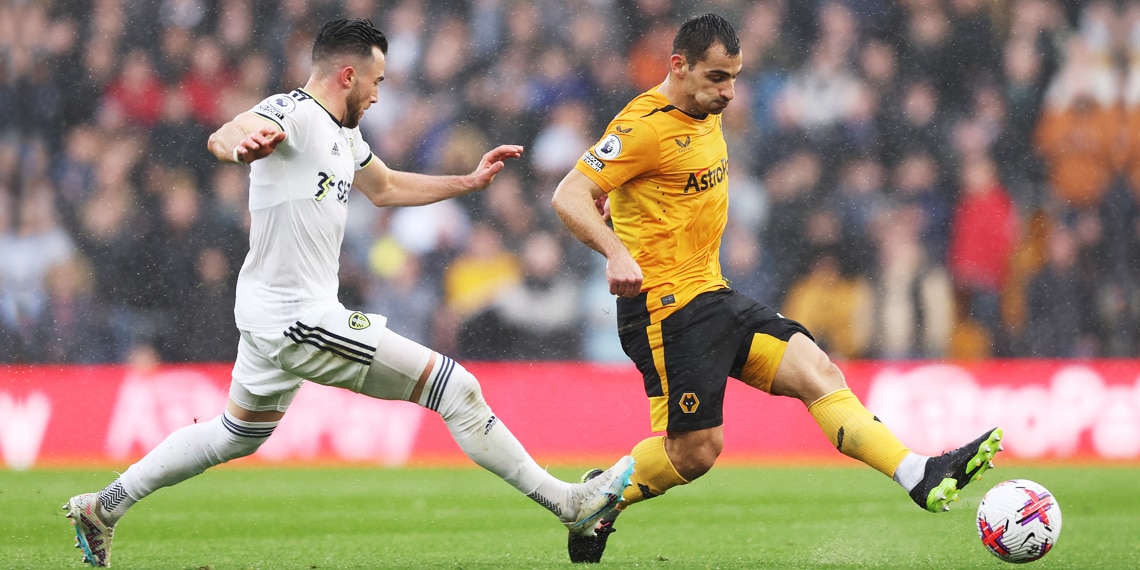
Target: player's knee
point(461, 396)
point(829, 376)
point(809, 374)
point(239, 440)
point(696, 463)
point(237, 447)
point(694, 453)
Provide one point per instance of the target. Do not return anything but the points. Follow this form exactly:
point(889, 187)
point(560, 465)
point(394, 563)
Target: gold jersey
point(666, 174)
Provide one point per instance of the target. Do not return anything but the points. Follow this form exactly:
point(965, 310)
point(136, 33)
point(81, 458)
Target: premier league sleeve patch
point(277, 106)
point(609, 148)
point(283, 102)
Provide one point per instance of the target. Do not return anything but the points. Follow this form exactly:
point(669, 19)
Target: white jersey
point(298, 203)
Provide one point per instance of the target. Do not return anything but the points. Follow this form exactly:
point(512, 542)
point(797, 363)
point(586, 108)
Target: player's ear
point(346, 76)
point(678, 64)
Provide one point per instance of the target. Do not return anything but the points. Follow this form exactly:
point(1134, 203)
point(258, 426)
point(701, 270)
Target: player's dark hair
point(697, 35)
point(348, 37)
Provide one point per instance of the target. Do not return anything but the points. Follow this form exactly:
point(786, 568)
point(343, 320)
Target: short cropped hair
point(697, 35)
point(348, 37)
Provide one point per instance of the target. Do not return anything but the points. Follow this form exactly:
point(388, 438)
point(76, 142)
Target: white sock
point(910, 470)
point(453, 392)
point(183, 454)
point(114, 502)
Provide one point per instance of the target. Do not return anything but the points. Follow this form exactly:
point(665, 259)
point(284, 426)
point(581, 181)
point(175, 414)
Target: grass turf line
point(734, 517)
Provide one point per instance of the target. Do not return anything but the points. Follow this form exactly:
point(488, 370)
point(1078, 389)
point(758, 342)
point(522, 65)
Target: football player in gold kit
point(660, 175)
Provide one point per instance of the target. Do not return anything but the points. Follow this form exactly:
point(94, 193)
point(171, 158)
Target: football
point(1019, 521)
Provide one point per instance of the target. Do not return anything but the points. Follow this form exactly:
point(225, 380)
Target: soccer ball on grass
point(1019, 521)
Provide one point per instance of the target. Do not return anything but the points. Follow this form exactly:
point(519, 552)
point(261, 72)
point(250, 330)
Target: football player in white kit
point(305, 153)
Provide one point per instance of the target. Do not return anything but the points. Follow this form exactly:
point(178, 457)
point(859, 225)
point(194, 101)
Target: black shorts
point(686, 359)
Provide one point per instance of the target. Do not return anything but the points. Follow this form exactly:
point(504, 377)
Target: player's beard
point(353, 112)
point(354, 108)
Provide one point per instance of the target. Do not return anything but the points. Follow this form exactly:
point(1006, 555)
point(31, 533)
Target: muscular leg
point(806, 373)
point(694, 452)
point(403, 369)
point(186, 453)
point(663, 462)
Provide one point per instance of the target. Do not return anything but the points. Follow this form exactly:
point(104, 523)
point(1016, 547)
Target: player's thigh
point(684, 361)
point(397, 367)
point(779, 356)
point(355, 351)
point(764, 342)
point(328, 345)
point(249, 407)
point(258, 384)
point(806, 372)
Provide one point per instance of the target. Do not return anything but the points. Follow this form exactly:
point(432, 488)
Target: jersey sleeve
point(627, 150)
point(281, 110)
point(361, 150)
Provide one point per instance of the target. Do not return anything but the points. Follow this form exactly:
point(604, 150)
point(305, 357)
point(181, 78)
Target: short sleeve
point(626, 151)
point(361, 151)
point(281, 109)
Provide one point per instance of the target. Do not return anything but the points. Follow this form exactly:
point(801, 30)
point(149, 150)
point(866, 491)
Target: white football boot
point(92, 536)
point(598, 496)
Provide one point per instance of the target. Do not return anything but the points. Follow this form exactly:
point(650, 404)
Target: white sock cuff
point(239, 428)
point(437, 381)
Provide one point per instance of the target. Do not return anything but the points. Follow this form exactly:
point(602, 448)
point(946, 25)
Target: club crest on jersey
point(609, 148)
point(358, 321)
point(689, 402)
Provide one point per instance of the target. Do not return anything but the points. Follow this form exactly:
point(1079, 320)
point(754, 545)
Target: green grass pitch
point(465, 518)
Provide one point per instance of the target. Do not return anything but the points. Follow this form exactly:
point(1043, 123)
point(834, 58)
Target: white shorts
point(329, 345)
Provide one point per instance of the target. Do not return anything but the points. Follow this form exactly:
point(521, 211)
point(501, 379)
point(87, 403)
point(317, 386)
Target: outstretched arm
point(245, 139)
point(577, 202)
point(387, 187)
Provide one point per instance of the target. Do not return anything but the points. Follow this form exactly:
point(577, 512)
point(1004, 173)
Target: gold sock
point(653, 473)
point(856, 433)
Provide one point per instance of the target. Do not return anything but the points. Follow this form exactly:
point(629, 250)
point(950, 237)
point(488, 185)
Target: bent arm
point(387, 187)
point(246, 138)
point(575, 203)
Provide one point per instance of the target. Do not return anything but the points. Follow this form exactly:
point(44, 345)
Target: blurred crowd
point(910, 179)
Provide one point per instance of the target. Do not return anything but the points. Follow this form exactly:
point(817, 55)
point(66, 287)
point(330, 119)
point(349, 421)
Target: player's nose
point(728, 93)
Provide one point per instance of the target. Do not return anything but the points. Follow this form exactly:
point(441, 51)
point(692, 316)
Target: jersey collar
point(322, 106)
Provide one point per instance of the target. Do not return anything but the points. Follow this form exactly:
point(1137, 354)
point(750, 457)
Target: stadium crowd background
point(910, 179)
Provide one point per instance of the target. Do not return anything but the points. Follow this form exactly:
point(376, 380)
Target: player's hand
point(492, 163)
point(259, 144)
point(623, 275)
point(602, 203)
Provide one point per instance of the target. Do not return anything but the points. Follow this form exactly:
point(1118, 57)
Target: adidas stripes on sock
point(182, 455)
point(455, 393)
